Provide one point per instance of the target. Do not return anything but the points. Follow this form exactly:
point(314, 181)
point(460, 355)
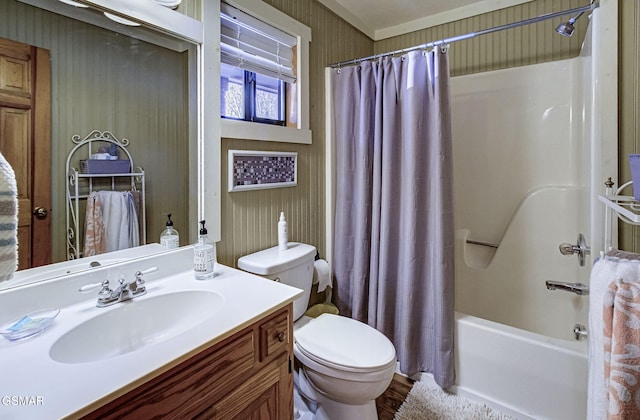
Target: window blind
point(256, 46)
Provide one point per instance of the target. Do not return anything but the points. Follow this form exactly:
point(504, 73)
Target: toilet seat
point(344, 344)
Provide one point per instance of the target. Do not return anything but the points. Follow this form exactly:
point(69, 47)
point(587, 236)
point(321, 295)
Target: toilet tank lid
point(272, 260)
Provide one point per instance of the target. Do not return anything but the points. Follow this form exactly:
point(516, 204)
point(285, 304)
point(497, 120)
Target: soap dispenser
point(204, 256)
point(169, 237)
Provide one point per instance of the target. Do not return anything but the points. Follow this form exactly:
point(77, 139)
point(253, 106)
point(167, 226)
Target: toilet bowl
point(343, 365)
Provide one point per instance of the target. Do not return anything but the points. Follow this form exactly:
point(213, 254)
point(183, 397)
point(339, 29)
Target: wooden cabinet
point(246, 376)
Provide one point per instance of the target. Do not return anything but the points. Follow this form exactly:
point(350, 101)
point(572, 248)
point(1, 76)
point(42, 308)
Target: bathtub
point(524, 374)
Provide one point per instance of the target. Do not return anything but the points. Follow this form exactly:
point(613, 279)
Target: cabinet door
point(259, 398)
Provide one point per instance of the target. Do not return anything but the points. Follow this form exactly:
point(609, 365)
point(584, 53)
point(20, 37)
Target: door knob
point(40, 212)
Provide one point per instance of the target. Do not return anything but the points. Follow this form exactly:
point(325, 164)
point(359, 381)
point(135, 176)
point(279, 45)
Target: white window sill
point(234, 129)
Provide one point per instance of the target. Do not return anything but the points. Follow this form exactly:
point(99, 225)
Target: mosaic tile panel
point(255, 170)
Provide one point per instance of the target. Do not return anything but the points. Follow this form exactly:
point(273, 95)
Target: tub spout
point(577, 288)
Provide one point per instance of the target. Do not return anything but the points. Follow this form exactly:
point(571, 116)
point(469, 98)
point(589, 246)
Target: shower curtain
point(393, 234)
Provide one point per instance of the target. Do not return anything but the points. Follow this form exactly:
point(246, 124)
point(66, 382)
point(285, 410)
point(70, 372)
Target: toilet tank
point(293, 267)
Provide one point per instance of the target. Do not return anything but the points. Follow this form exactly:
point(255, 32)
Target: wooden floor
point(389, 402)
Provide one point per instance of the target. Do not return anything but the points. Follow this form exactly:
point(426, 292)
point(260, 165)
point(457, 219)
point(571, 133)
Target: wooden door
point(25, 141)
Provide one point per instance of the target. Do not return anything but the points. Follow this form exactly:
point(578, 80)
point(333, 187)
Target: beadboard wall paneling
point(629, 109)
point(107, 81)
point(249, 218)
point(520, 46)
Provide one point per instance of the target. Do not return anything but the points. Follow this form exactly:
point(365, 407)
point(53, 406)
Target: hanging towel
point(115, 216)
point(621, 318)
point(94, 238)
point(8, 220)
point(616, 265)
point(137, 198)
point(111, 222)
point(134, 228)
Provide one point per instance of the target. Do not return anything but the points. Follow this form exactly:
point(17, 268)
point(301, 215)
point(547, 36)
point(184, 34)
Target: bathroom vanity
point(218, 348)
point(248, 375)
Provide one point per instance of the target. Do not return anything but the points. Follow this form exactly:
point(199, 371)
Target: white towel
point(8, 220)
point(321, 275)
point(603, 273)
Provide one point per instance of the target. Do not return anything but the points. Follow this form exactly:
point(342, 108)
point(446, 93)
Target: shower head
point(567, 28)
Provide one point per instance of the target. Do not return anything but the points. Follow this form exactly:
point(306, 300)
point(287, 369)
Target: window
point(263, 74)
point(249, 96)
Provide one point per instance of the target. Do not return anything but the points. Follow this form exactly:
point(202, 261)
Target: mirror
point(138, 83)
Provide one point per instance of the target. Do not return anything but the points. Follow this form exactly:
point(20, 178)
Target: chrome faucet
point(577, 288)
point(125, 291)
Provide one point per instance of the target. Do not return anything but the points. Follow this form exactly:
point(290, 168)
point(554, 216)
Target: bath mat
point(426, 402)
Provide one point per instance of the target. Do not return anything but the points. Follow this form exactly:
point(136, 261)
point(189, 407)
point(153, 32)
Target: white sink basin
point(131, 325)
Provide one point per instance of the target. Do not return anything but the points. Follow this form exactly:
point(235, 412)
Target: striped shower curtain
point(393, 234)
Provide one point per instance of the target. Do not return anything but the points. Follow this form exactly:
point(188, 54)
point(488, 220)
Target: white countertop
point(32, 385)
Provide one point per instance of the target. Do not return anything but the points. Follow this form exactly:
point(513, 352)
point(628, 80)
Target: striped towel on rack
point(8, 220)
point(621, 318)
point(94, 237)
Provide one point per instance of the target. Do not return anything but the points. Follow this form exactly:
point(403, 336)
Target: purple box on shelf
point(96, 166)
point(634, 163)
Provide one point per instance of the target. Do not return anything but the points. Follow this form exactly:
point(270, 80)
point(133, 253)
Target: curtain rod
point(470, 35)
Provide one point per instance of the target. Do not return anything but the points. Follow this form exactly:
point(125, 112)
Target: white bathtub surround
point(61, 387)
point(509, 287)
point(605, 271)
point(393, 231)
point(519, 183)
point(527, 182)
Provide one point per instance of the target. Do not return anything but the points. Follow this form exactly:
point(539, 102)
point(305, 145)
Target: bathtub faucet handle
point(580, 248)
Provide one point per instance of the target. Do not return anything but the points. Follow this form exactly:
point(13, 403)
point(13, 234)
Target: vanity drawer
point(275, 335)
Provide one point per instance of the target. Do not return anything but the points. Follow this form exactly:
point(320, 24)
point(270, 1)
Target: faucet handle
point(89, 287)
point(106, 291)
point(139, 274)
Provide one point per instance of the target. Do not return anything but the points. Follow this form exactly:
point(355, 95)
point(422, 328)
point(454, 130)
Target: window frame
point(240, 129)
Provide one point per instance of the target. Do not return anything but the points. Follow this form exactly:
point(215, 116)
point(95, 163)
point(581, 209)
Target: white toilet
point(346, 364)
